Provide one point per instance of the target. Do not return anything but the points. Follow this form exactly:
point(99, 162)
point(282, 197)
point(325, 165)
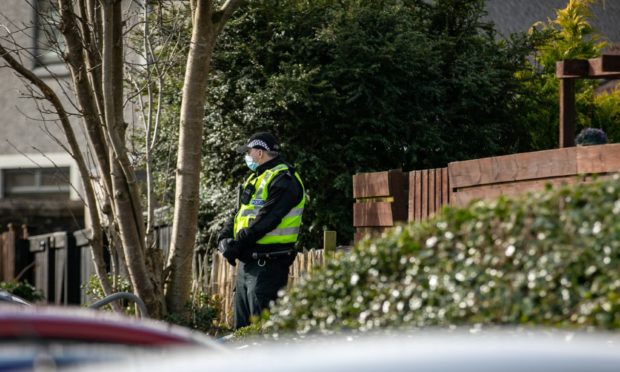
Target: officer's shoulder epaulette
point(286, 175)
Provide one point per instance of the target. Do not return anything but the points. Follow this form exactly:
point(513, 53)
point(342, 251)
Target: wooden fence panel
point(598, 159)
point(429, 191)
point(511, 168)
point(413, 204)
point(381, 201)
point(220, 284)
point(374, 184)
point(487, 192)
point(516, 174)
point(15, 258)
point(424, 195)
point(460, 182)
point(437, 193)
point(369, 214)
point(445, 187)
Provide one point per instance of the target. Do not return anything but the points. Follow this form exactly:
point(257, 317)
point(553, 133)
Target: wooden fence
point(380, 201)
point(383, 199)
point(15, 258)
point(429, 190)
point(378, 206)
point(512, 175)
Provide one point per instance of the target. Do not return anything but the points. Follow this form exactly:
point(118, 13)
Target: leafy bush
point(591, 136)
point(95, 291)
point(551, 258)
point(202, 311)
point(250, 331)
point(22, 289)
point(202, 315)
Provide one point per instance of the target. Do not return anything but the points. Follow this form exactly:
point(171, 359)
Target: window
point(36, 183)
point(48, 41)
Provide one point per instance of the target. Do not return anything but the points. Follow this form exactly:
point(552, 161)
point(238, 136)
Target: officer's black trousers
point(257, 286)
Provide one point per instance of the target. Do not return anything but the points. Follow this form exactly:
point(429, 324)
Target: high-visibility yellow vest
point(288, 229)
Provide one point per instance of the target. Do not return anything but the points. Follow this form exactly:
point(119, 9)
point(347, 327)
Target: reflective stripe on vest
point(284, 231)
point(254, 212)
point(287, 230)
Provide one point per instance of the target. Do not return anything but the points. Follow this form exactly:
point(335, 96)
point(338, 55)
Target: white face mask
point(250, 162)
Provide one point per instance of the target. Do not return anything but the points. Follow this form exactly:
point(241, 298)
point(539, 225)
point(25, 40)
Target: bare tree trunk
point(150, 134)
point(207, 24)
point(127, 205)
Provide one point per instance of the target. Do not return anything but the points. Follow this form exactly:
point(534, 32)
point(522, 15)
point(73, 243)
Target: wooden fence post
point(607, 66)
point(567, 113)
point(329, 243)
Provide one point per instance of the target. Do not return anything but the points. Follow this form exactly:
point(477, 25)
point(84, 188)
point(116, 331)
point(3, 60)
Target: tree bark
point(207, 24)
point(84, 90)
point(127, 205)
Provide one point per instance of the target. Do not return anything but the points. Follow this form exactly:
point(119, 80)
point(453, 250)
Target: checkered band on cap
point(258, 142)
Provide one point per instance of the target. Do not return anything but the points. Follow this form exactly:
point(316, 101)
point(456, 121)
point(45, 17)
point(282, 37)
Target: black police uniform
point(258, 281)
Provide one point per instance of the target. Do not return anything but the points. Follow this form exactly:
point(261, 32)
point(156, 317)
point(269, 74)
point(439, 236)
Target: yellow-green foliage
point(607, 114)
point(550, 259)
point(569, 35)
point(574, 37)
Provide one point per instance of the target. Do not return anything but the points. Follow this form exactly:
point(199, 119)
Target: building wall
point(21, 127)
point(512, 16)
point(29, 139)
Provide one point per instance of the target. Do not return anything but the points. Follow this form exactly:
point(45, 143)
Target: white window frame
point(50, 160)
point(50, 66)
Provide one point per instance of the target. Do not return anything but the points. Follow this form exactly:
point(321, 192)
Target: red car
point(65, 337)
point(8, 298)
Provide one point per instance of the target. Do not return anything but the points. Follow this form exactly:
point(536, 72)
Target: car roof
point(51, 323)
point(435, 351)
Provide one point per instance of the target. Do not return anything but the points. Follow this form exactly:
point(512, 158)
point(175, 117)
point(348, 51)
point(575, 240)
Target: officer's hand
point(223, 244)
point(231, 250)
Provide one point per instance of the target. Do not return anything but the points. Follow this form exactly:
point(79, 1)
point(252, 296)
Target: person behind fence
point(263, 230)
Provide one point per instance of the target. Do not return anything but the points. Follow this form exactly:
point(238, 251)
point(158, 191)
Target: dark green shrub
point(551, 259)
point(202, 314)
point(591, 136)
point(347, 86)
point(22, 289)
point(95, 291)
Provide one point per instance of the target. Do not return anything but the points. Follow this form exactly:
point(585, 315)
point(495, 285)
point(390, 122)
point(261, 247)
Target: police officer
point(264, 229)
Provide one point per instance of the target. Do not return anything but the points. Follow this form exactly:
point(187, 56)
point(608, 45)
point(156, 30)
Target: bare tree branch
point(226, 12)
point(85, 91)
point(75, 152)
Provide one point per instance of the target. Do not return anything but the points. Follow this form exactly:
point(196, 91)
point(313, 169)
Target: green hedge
point(551, 259)
point(22, 289)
